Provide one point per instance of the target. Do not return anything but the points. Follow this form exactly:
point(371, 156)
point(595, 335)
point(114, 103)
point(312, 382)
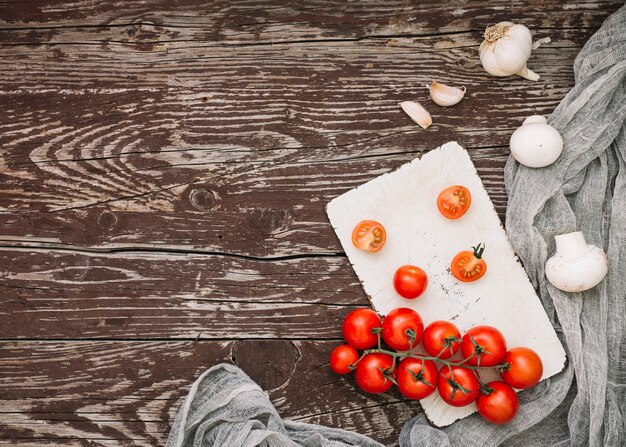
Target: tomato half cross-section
point(369, 235)
point(454, 201)
point(468, 266)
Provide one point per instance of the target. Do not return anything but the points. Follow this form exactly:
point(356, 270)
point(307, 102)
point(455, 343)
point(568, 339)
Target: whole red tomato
point(499, 404)
point(373, 373)
point(400, 326)
point(416, 379)
point(487, 342)
point(457, 386)
point(440, 335)
point(342, 358)
point(358, 326)
point(523, 368)
point(410, 281)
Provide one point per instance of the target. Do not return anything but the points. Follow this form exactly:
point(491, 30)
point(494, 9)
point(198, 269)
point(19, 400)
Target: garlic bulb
point(576, 266)
point(506, 49)
point(536, 143)
point(417, 113)
point(444, 95)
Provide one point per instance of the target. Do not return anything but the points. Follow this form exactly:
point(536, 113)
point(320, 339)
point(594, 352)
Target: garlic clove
point(417, 113)
point(536, 144)
point(576, 266)
point(444, 95)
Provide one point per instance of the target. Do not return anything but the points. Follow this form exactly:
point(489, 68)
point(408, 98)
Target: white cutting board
point(404, 201)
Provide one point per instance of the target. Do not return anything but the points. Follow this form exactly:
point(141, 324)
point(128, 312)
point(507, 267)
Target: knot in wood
point(205, 200)
point(107, 219)
point(270, 363)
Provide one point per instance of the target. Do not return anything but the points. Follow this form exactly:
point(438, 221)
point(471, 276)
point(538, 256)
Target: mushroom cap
point(536, 144)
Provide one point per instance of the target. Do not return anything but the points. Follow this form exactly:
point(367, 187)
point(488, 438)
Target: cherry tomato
point(487, 342)
point(468, 266)
point(410, 281)
point(369, 235)
point(342, 358)
point(523, 368)
point(399, 326)
point(373, 373)
point(500, 405)
point(358, 326)
point(439, 335)
point(454, 201)
point(457, 386)
point(416, 379)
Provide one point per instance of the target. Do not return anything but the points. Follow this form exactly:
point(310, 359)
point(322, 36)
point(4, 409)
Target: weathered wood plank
point(63, 295)
point(117, 393)
point(266, 21)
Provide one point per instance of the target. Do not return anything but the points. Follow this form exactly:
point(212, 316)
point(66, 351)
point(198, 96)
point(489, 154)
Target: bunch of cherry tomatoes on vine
point(389, 359)
point(390, 346)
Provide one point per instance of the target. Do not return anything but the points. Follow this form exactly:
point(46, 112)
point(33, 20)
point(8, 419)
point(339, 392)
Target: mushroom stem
point(571, 245)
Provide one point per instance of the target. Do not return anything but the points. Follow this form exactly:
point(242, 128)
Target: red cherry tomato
point(468, 266)
point(416, 379)
point(523, 368)
point(369, 235)
point(410, 281)
point(342, 358)
point(399, 326)
point(357, 328)
point(487, 342)
point(373, 373)
point(440, 335)
point(458, 386)
point(500, 405)
point(454, 201)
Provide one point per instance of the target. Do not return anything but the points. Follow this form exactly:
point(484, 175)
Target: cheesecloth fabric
point(584, 190)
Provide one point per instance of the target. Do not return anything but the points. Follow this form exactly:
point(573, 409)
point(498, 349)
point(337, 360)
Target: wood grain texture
point(154, 296)
point(164, 168)
point(126, 393)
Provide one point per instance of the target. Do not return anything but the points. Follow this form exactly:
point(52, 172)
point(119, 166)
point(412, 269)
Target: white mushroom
point(536, 143)
point(576, 266)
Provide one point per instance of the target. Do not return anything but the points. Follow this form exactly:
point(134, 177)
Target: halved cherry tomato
point(342, 358)
point(400, 327)
point(410, 281)
point(441, 338)
point(369, 235)
point(497, 403)
point(485, 345)
point(457, 386)
point(468, 266)
point(416, 379)
point(523, 368)
point(375, 373)
point(454, 201)
point(358, 328)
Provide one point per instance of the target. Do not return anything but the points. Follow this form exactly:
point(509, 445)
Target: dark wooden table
point(164, 171)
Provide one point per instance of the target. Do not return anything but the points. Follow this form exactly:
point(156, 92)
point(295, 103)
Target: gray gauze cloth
point(584, 190)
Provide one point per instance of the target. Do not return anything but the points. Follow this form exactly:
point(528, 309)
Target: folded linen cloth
point(584, 190)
